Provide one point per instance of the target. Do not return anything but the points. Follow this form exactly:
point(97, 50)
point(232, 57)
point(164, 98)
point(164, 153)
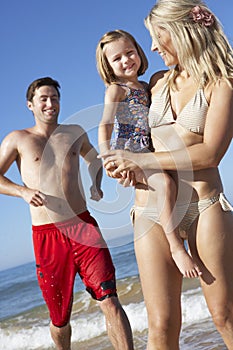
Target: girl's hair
point(41, 82)
point(103, 66)
point(202, 47)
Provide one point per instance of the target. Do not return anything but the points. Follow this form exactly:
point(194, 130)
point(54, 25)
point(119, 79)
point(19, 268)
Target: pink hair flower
point(204, 17)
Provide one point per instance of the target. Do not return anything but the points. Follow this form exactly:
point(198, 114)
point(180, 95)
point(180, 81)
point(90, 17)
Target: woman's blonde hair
point(202, 47)
point(103, 66)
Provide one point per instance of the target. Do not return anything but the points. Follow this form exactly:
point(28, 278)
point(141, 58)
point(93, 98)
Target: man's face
point(45, 105)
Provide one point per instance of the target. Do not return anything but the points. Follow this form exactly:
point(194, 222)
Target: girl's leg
point(163, 194)
point(214, 242)
point(161, 284)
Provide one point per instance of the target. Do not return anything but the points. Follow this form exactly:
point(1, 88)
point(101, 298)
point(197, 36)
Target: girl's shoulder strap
point(119, 84)
point(144, 83)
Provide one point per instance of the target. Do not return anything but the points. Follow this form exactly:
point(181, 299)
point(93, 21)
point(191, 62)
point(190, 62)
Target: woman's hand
point(121, 161)
point(110, 173)
point(124, 178)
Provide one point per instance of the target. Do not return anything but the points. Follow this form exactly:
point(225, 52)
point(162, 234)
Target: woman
point(191, 119)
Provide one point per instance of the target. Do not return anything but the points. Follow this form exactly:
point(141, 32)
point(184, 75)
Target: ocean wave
point(29, 331)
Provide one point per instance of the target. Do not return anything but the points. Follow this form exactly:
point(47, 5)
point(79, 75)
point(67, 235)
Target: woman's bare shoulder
point(158, 78)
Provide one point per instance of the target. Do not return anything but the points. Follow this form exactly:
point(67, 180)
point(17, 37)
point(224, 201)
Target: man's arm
point(9, 153)
point(89, 154)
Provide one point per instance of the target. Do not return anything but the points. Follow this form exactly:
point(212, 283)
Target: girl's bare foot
point(185, 263)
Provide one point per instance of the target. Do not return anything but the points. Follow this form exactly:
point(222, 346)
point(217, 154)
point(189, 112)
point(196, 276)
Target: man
point(66, 238)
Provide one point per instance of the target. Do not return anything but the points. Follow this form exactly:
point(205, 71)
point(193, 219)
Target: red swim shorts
point(64, 249)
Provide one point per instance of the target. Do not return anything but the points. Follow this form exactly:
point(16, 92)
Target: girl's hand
point(127, 179)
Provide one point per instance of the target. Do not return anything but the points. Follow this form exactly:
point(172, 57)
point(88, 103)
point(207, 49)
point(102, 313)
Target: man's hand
point(96, 193)
point(34, 197)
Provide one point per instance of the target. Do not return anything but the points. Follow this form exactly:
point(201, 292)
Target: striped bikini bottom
point(187, 213)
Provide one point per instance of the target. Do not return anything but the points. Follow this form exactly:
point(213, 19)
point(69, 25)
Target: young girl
point(120, 60)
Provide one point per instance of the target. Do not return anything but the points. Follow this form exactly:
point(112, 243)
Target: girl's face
point(124, 59)
point(162, 42)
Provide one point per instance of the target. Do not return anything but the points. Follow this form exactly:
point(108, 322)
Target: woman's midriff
point(205, 183)
point(191, 185)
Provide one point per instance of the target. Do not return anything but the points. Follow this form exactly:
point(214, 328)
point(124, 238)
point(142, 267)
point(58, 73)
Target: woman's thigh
point(214, 242)
point(161, 281)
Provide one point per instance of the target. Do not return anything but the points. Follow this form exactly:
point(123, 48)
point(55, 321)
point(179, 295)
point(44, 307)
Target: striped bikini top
point(192, 117)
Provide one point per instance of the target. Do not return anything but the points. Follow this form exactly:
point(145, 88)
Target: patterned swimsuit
point(131, 126)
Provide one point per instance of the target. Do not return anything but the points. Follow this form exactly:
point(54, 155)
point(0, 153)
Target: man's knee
point(110, 305)
point(60, 328)
point(61, 336)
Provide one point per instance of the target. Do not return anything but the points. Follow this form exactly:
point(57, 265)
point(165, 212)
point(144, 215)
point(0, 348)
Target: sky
point(58, 39)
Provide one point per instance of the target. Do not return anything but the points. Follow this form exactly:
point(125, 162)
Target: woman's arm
point(216, 140)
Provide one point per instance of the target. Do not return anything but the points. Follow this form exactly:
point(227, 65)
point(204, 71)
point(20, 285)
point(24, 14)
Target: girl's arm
point(114, 94)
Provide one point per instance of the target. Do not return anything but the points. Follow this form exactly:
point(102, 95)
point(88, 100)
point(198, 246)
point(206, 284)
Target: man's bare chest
point(49, 152)
point(41, 157)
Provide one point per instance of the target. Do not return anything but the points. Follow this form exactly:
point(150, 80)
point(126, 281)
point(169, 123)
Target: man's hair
point(41, 82)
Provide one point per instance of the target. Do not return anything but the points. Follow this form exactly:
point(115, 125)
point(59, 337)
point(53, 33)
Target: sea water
point(24, 319)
